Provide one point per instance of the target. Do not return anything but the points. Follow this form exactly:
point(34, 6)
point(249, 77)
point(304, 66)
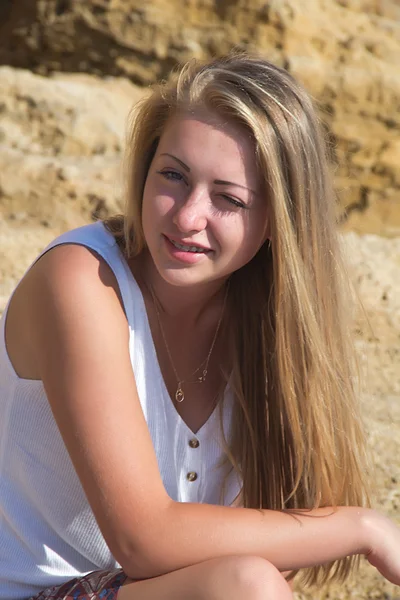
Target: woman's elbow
point(140, 555)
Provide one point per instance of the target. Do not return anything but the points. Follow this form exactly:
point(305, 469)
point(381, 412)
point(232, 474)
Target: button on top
point(191, 476)
point(194, 443)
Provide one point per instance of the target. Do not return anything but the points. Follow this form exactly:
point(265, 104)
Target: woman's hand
point(385, 546)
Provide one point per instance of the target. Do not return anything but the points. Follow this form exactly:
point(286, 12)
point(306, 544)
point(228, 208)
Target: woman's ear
point(268, 230)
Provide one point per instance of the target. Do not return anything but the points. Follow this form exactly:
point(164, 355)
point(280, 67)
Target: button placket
point(193, 465)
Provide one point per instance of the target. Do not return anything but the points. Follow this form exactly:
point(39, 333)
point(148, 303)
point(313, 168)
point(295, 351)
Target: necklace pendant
point(203, 377)
point(179, 395)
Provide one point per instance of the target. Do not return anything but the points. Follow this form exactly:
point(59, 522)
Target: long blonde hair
point(297, 440)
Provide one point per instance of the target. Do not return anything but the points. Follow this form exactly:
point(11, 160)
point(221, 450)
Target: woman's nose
point(191, 215)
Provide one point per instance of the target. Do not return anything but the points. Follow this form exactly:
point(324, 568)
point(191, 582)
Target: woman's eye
point(171, 175)
point(233, 201)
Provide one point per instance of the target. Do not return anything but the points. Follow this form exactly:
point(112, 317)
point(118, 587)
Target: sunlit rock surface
point(346, 52)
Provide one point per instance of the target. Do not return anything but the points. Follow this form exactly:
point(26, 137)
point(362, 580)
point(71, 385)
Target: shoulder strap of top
point(96, 237)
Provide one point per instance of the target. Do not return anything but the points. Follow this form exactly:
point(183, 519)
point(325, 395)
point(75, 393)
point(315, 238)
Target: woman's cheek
point(165, 204)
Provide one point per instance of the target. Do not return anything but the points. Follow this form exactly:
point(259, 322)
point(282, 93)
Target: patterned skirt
point(99, 585)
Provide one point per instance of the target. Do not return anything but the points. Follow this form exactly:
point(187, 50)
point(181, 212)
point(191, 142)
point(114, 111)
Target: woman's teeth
point(187, 248)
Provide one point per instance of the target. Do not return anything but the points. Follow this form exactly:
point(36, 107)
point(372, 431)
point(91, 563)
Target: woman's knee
point(253, 578)
point(234, 577)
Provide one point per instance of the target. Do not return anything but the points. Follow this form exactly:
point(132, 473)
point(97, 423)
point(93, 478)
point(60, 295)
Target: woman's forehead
point(208, 137)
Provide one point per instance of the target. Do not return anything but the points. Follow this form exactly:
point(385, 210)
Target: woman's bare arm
point(79, 334)
point(195, 532)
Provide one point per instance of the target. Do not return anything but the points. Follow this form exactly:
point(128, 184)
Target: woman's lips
point(188, 244)
point(184, 256)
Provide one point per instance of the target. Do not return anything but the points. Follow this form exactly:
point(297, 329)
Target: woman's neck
point(189, 304)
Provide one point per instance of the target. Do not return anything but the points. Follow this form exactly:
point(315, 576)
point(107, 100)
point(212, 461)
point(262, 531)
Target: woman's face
point(204, 215)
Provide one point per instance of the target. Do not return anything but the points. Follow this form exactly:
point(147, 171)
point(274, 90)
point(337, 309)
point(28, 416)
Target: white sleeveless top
point(48, 533)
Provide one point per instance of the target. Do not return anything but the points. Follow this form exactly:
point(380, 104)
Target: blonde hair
point(297, 439)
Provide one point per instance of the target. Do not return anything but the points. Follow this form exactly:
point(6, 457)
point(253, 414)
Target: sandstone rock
point(60, 159)
point(71, 115)
point(346, 52)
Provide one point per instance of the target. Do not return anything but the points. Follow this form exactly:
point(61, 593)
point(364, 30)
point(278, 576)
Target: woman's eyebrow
point(216, 181)
point(222, 182)
point(177, 159)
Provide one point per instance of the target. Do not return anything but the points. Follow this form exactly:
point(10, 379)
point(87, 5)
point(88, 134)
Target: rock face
point(346, 52)
point(60, 151)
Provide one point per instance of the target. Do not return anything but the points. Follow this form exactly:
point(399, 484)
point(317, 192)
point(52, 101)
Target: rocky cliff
point(346, 52)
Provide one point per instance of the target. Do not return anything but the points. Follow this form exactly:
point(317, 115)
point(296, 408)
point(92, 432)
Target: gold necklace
point(179, 394)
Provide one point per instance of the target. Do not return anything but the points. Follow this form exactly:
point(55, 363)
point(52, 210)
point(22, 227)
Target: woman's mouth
point(186, 248)
point(187, 253)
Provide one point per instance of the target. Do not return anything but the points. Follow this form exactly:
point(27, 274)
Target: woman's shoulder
point(67, 284)
point(75, 261)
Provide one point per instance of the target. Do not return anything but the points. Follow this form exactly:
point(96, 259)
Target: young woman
point(189, 357)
